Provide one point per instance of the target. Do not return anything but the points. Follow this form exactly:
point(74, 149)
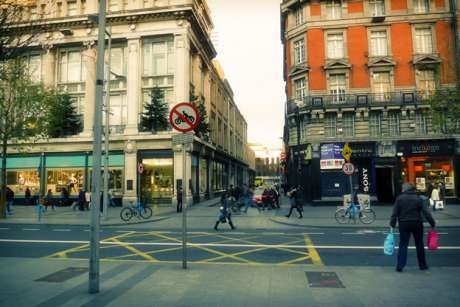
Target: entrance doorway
point(157, 181)
point(385, 184)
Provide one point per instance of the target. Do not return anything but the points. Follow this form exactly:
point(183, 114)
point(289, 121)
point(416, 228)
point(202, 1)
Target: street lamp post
point(97, 150)
point(107, 129)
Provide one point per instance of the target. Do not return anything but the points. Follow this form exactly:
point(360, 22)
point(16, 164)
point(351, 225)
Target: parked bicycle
point(140, 211)
point(353, 211)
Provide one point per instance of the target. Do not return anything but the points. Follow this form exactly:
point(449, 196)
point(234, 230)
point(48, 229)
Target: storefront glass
point(115, 179)
point(195, 188)
point(72, 179)
point(430, 170)
point(19, 180)
point(203, 175)
point(157, 180)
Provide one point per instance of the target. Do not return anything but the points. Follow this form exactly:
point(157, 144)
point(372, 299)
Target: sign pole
point(184, 208)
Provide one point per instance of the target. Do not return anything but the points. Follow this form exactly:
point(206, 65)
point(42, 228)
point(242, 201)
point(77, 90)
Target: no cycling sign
point(184, 117)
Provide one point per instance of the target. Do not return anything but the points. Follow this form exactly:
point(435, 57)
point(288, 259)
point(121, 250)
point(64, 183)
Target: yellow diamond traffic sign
point(346, 152)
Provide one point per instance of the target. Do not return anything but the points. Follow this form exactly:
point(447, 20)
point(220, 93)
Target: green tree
point(63, 119)
point(155, 115)
point(202, 130)
point(24, 107)
point(445, 110)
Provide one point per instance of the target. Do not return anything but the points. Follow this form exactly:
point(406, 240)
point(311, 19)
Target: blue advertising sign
point(331, 151)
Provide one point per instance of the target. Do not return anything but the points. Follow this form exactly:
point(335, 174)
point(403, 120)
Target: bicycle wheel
point(342, 216)
point(146, 212)
point(126, 214)
point(367, 216)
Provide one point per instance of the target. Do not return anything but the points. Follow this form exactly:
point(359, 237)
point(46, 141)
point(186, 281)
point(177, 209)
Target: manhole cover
point(63, 275)
point(324, 280)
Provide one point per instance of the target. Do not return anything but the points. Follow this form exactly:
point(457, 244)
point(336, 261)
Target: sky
point(250, 52)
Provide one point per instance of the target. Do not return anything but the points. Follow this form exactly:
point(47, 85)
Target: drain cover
point(63, 275)
point(324, 280)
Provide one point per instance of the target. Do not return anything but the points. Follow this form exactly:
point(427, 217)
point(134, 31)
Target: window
point(334, 9)
point(420, 123)
point(34, 64)
point(71, 67)
point(299, 16)
point(348, 119)
point(335, 48)
point(393, 123)
point(379, 43)
point(426, 82)
point(118, 110)
point(299, 88)
point(159, 57)
point(64, 178)
point(375, 123)
point(72, 9)
point(337, 87)
point(377, 7)
point(423, 41)
point(421, 6)
point(381, 86)
point(303, 129)
point(330, 124)
point(299, 52)
point(118, 62)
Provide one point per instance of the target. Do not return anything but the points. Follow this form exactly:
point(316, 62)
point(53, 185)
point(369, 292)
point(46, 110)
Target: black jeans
point(298, 210)
point(405, 230)
point(179, 205)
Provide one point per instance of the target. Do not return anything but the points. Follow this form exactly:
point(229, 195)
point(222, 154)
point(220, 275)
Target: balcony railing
point(342, 100)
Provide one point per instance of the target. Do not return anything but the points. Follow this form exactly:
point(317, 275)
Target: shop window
point(157, 180)
point(433, 172)
point(70, 179)
point(203, 175)
point(19, 180)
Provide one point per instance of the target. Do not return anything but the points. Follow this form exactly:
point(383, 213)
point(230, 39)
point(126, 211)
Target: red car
point(263, 198)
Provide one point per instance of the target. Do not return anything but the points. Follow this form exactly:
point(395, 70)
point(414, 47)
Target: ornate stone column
point(133, 85)
point(49, 66)
point(89, 56)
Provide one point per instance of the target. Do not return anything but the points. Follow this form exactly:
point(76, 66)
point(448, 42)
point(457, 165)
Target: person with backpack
point(224, 212)
point(294, 201)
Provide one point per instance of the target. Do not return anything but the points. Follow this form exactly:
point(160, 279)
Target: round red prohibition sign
point(184, 117)
point(348, 168)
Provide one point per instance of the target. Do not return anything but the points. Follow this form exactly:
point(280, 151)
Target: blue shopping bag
point(389, 244)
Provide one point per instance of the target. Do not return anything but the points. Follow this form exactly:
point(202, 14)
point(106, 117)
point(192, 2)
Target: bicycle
point(140, 211)
point(343, 215)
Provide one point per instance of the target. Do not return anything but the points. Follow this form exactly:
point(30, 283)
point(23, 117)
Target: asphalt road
point(317, 246)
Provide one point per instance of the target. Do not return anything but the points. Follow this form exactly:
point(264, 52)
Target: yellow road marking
point(209, 250)
point(312, 251)
point(135, 250)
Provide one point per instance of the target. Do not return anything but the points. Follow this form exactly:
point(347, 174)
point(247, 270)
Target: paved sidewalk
point(148, 284)
point(203, 216)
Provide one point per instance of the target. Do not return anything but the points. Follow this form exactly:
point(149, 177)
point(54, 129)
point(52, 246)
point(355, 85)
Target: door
point(385, 184)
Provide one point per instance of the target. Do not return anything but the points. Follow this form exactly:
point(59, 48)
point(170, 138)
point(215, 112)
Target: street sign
point(184, 117)
point(348, 168)
point(346, 152)
point(182, 138)
point(140, 168)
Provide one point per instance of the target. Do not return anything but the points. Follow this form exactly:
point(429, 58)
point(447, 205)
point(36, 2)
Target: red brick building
point(361, 71)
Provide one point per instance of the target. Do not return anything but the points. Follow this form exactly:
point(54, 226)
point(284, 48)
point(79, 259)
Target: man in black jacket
point(408, 210)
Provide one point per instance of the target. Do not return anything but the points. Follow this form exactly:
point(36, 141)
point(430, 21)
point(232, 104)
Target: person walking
point(179, 199)
point(407, 212)
point(81, 200)
point(9, 201)
point(435, 196)
point(294, 201)
point(248, 195)
point(49, 201)
point(224, 212)
point(28, 196)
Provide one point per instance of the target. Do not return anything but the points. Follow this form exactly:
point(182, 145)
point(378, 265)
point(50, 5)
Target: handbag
point(439, 204)
point(389, 243)
point(433, 240)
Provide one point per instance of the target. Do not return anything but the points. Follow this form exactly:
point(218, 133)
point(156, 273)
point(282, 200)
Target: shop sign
point(426, 148)
point(365, 180)
point(363, 149)
point(449, 183)
point(331, 156)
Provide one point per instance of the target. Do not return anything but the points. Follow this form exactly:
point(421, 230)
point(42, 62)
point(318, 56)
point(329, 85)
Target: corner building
point(362, 72)
point(155, 43)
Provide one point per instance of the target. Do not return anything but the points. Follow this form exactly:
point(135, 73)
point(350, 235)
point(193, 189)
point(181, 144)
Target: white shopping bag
point(439, 205)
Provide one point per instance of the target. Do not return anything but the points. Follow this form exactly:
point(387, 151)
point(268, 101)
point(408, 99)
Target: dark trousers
point(179, 205)
point(229, 219)
point(405, 230)
point(298, 210)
